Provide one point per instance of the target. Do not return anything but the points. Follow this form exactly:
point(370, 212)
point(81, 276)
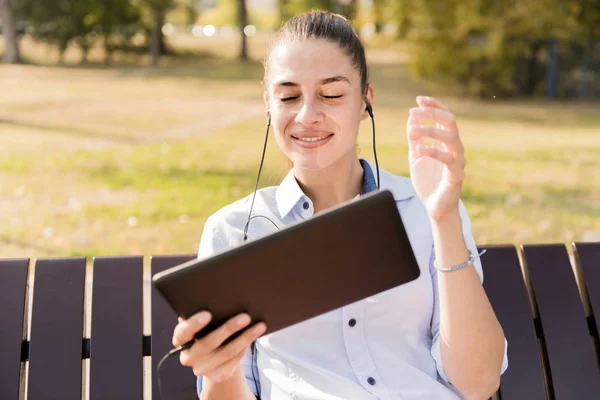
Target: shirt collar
point(289, 193)
point(369, 182)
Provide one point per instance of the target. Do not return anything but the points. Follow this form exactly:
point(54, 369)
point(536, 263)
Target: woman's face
point(315, 99)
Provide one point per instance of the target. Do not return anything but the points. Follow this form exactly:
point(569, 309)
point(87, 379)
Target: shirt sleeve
point(435, 321)
point(213, 241)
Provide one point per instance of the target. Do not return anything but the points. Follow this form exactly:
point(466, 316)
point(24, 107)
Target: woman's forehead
point(309, 61)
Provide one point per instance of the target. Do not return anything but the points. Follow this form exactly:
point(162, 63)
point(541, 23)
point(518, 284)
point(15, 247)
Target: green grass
point(132, 160)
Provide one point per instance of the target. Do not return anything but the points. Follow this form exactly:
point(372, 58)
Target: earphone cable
point(374, 146)
point(258, 178)
point(160, 364)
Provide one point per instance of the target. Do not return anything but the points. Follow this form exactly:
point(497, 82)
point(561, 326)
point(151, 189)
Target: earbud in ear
point(369, 109)
point(268, 117)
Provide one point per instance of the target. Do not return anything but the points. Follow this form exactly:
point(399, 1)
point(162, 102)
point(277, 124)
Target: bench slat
point(178, 382)
point(116, 363)
point(504, 284)
point(568, 341)
point(57, 329)
point(589, 257)
point(13, 284)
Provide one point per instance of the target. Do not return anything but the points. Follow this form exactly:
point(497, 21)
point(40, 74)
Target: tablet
point(337, 257)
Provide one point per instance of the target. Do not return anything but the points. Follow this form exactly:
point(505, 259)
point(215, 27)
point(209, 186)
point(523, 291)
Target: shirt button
point(305, 205)
point(352, 323)
point(371, 381)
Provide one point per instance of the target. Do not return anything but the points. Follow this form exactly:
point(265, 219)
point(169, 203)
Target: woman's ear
point(368, 99)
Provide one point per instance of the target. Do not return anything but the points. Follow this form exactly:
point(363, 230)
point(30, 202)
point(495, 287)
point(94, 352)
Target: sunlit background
point(124, 124)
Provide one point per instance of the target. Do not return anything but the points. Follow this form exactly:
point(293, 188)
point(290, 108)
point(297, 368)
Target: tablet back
point(338, 257)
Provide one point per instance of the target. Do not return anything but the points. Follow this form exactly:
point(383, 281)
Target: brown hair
point(328, 26)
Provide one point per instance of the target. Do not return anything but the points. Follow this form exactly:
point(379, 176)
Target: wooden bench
point(535, 291)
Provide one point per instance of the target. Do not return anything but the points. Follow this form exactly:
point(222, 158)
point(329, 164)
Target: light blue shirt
point(384, 347)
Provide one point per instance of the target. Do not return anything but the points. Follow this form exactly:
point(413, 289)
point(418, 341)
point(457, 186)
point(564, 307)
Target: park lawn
point(130, 160)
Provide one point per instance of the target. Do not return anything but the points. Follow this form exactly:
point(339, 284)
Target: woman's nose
point(309, 114)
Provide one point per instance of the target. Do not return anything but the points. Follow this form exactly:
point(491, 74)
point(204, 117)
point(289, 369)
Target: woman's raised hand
point(437, 171)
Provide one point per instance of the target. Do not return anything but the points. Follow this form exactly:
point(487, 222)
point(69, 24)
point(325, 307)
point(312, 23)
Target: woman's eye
point(332, 97)
point(284, 99)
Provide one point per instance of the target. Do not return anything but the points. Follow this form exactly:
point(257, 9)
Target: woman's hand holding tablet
point(210, 357)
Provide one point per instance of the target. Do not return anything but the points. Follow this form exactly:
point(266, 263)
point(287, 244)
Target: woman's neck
point(333, 185)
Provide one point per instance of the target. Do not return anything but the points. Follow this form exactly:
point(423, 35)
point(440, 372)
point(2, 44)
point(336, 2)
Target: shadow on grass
point(217, 69)
point(155, 176)
point(200, 65)
point(69, 130)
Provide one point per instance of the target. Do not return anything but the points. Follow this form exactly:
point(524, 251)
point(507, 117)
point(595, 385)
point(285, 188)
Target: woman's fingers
point(204, 363)
point(445, 131)
point(440, 155)
point(186, 329)
point(416, 133)
point(241, 342)
point(442, 117)
point(455, 165)
point(216, 338)
point(420, 131)
point(426, 101)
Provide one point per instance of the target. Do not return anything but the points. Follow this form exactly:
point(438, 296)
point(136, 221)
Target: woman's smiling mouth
point(312, 141)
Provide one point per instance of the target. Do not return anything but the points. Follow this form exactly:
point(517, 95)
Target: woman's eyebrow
point(337, 78)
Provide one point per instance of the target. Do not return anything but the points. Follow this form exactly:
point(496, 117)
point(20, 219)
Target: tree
point(191, 11)
point(59, 22)
point(403, 11)
point(157, 10)
point(486, 47)
point(379, 9)
point(235, 12)
point(9, 29)
point(117, 21)
point(242, 23)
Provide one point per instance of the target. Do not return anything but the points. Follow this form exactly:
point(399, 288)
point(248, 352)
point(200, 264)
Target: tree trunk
point(85, 48)
point(9, 30)
point(242, 22)
point(191, 12)
point(532, 68)
point(155, 42)
point(378, 15)
point(403, 20)
point(107, 50)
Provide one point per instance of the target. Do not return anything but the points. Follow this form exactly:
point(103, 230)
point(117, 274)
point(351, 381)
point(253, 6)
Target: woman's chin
point(312, 163)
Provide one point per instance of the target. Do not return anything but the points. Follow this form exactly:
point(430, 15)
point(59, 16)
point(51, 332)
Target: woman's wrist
point(446, 226)
point(449, 241)
point(235, 387)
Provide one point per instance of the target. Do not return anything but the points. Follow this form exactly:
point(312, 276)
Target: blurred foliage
point(490, 48)
point(477, 47)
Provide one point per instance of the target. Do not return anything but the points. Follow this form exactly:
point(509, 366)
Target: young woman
point(434, 338)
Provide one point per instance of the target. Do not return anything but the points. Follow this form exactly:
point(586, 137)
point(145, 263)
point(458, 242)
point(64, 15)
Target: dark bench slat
point(116, 356)
point(178, 382)
point(589, 257)
point(13, 284)
point(57, 329)
point(504, 284)
point(568, 341)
